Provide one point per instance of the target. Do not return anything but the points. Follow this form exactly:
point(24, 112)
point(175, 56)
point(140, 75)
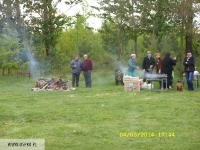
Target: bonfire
point(51, 84)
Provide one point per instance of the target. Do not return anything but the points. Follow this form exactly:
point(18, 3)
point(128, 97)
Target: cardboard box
point(131, 83)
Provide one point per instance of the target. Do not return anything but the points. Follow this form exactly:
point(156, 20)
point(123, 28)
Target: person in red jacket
point(87, 67)
point(159, 69)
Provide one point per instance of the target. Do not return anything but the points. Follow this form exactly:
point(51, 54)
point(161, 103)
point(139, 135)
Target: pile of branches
point(51, 84)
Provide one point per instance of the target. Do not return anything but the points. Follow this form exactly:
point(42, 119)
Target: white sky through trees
point(93, 21)
point(97, 22)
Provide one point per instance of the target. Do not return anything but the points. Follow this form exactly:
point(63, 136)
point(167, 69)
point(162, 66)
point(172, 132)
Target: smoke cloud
point(33, 65)
point(153, 76)
point(38, 68)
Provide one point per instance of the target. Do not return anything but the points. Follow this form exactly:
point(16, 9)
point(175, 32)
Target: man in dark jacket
point(87, 68)
point(189, 69)
point(148, 65)
point(76, 66)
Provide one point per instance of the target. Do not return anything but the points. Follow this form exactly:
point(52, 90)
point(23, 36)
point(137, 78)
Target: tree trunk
point(120, 42)
point(188, 39)
point(3, 71)
point(159, 37)
point(8, 71)
point(135, 42)
point(189, 25)
point(181, 48)
point(189, 35)
point(47, 49)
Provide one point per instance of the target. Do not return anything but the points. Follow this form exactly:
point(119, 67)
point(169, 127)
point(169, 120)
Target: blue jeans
point(189, 77)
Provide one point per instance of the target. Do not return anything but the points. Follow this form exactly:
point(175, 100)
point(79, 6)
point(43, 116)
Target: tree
point(155, 18)
point(80, 39)
point(184, 14)
point(42, 20)
point(115, 12)
point(10, 34)
point(11, 15)
point(134, 22)
point(9, 49)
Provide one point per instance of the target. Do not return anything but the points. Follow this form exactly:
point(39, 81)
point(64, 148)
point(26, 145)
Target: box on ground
point(131, 83)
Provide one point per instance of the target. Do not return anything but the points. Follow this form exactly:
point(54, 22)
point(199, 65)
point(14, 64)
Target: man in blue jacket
point(76, 66)
point(132, 66)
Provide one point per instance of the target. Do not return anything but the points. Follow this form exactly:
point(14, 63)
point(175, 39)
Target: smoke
point(139, 73)
point(123, 69)
point(38, 68)
point(152, 76)
point(33, 65)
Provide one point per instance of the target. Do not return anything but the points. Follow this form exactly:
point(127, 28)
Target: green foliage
point(119, 19)
point(48, 25)
point(9, 49)
point(196, 44)
point(110, 37)
point(79, 39)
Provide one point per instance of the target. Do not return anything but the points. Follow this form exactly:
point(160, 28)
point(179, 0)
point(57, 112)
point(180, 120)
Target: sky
point(95, 22)
point(92, 21)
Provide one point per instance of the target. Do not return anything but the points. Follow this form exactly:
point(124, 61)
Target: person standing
point(76, 66)
point(168, 64)
point(189, 69)
point(148, 65)
point(87, 67)
point(159, 69)
point(132, 66)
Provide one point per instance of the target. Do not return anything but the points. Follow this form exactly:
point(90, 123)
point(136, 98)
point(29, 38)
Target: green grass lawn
point(101, 118)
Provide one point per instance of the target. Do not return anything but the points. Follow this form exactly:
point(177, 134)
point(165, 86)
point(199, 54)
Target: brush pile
point(51, 84)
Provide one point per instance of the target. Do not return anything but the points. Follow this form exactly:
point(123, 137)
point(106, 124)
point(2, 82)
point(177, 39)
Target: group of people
point(86, 67)
point(163, 66)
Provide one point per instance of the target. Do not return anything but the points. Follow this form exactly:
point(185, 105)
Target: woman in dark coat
point(189, 69)
point(168, 64)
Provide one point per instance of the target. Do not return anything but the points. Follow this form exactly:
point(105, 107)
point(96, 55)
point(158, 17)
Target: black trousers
point(75, 79)
point(148, 71)
point(169, 78)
